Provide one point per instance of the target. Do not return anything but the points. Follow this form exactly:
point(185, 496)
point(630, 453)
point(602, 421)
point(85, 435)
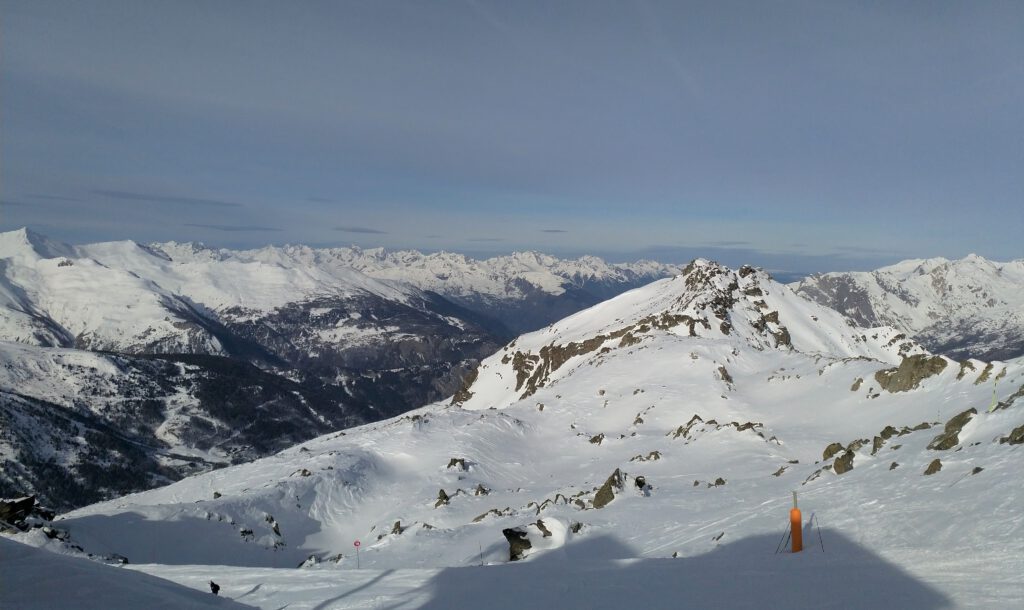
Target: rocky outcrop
point(831, 450)
point(933, 467)
point(12, 511)
point(614, 484)
point(950, 436)
point(910, 373)
point(518, 542)
point(843, 463)
point(1016, 437)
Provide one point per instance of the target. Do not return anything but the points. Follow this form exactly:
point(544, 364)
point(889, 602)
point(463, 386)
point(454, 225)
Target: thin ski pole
point(817, 526)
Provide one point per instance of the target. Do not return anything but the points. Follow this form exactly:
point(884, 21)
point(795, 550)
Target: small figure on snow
point(214, 587)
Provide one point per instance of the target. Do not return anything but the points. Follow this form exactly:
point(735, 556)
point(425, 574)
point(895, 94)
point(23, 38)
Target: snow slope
point(34, 579)
point(722, 388)
point(967, 308)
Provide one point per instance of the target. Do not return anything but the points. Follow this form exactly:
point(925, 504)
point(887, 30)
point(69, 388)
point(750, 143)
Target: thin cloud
point(11, 203)
point(728, 243)
point(485, 239)
point(53, 197)
point(366, 230)
point(553, 231)
point(232, 228)
point(168, 199)
point(433, 236)
point(865, 250)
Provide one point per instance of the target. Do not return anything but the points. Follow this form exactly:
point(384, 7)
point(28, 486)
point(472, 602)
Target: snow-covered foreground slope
point(964, 308)
point(30, 578)
point(722, 389)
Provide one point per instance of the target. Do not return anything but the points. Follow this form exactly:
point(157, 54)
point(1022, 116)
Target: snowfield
point(723, 389)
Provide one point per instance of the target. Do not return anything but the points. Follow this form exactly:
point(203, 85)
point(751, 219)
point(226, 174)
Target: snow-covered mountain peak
point(25, 243)
point(189, 251)
point(970, 307)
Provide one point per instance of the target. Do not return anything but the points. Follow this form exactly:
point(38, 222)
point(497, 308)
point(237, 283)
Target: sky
point(799, 136)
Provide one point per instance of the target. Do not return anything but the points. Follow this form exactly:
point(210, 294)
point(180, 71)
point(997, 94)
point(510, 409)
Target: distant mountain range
point(186, 331)
point(967, 308)
point(157, 361)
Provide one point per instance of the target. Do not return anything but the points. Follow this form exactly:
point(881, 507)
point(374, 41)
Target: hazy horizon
point(797, 136)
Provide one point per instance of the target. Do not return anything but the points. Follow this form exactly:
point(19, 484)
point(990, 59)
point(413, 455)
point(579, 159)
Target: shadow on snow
point(587, 573)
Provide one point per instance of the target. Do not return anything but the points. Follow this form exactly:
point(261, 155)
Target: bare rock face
point(843, 463)
point(442, 499)
point(934, 467)
point(1016, 436)
point(518, 542)
point(606, 493)
point(910, 373)
point(16, 510)
point(831, 450)
point(950, 436)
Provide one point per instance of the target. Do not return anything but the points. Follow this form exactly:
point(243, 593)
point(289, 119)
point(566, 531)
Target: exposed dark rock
point(575, 527)
point(442, 499)
point(718, 482)
point(1016, 436)
point(843, 463)
point(464, 393)
point(935, 466)
point(640, 482)
point(965, 366)
point(855, 446)
point(481, 490)
point(910, 373)
point(16, 510)
point(606, 493)
point(724, 374)
point(832, 449)
point(684, 431)
point(397, 528)
point(543, 528)
point(458, 464)
point(597, 439)
point(518, 542)
point(654, 455)
point(856, 384)
point(917, 428)
point(984, 374)
point(977, 469)
point(493, 511)
point(893, 466)
point(950, 437)
point(778, 473)
point(1005, 404)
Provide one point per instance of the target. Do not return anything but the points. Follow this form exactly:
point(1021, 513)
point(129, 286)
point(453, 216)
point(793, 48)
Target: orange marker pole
point(795, 527)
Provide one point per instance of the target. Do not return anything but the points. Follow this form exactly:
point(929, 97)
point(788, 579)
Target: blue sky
point(801, 136)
